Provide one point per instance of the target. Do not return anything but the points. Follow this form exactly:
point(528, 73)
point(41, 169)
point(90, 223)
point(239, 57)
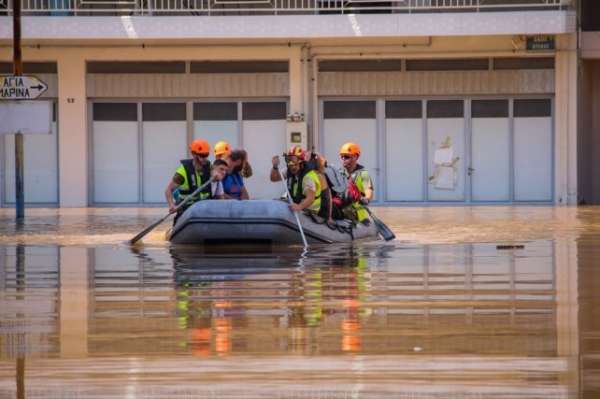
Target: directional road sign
point(21, 87)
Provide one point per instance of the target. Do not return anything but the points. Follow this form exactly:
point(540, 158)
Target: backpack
point(338, 183)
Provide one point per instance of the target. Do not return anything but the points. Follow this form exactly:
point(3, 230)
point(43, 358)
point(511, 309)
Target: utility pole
point(18, 71)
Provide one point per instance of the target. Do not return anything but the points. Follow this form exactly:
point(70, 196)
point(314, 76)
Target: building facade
point(466, 101)
point(589, 140)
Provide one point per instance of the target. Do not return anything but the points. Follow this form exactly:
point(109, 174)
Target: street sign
point(21, 87)
point(540, 43)
point(26, 117)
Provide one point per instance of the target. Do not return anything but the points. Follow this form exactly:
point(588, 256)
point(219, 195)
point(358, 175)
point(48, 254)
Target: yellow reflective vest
point(192, 179)
point(296, 187)
point(361, 177)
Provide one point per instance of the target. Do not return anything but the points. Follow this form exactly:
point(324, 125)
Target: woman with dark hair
point(233, 183)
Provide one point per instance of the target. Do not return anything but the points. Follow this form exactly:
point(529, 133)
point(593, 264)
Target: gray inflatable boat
point(259, 222)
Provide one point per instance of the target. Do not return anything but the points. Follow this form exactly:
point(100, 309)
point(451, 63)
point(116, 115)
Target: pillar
point(565, 114)
point(74, 301)
point(296, 81)
point(72, 130)
point(567, 310)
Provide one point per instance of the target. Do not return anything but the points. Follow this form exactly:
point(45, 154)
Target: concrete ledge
point(292, 26)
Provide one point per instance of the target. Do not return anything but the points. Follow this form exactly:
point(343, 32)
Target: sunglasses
point(344, 157)
point(290, 163)
point(204, 155)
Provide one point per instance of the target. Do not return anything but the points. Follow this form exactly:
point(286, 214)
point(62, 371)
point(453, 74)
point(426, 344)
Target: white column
point(295, 80)
point(565, 115)
point(74, 301)
point(72, 130)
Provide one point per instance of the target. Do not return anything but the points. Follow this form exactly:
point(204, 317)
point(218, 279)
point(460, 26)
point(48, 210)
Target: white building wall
point(74, 88)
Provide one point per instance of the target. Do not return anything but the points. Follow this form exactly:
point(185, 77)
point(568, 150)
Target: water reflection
point(370, 320)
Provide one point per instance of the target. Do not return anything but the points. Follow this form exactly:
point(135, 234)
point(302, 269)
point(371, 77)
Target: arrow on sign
point(21, 87)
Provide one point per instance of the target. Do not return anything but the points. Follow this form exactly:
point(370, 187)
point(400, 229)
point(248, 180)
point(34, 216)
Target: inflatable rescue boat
point(260, 222)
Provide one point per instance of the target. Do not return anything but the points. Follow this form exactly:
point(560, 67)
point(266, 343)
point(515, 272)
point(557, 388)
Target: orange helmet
point(222, 148)
point(297, 151)
point(350, 149)
point(200, 147)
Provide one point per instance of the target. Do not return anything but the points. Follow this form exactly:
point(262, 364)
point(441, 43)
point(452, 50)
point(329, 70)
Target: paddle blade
point(147, 230)
point(383, 230)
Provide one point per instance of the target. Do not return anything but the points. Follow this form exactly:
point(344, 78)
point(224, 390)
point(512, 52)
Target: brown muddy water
point(482, 302)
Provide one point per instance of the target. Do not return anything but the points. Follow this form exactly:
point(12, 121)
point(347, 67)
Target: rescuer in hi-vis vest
point(193, 173)
point(360, 186)
point(303, 183)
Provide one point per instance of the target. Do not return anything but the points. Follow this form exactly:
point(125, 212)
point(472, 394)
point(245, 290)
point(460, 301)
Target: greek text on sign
point(21, 87)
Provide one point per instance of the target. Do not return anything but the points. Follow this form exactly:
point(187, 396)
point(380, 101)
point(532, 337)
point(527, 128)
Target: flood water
point(467, 302)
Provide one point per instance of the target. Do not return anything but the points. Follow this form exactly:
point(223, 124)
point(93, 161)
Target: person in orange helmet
point(360, 185)
point(223, 151)
point(191, 174)
point(303, 182)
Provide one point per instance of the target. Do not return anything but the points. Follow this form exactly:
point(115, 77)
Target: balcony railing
point(271, 7)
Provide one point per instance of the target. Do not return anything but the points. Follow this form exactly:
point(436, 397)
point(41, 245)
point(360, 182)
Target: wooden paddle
point(153, 225)
point(382, 229)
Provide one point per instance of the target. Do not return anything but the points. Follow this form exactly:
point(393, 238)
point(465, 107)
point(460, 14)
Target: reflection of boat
point(268, 222)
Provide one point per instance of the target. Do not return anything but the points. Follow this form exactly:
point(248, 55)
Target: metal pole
point(18, 71)
point(21, 341)
point(19, 181)
point(17, 56)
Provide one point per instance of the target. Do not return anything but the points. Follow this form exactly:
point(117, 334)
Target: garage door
point(164, 138)
point(214, 122)
point(40, 166)
point(446, 150)
point(490, 150)
point(263, 132)
point(353, 121)
point(404, 145)
point(533, 149)
point(115, 142)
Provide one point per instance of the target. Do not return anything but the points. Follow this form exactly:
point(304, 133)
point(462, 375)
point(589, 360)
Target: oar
point(382, 229)
point(295, 213)
point(153, 225)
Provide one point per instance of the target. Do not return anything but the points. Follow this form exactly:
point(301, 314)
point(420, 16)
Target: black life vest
point(190, 171)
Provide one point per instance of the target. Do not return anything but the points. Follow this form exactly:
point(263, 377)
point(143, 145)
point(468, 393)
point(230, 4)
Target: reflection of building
point(400, 77)
point(466, 308)
point(445, 299)
point(29, 301)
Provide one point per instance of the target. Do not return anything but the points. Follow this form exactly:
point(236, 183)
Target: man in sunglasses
point(303, 183)
point(360, 186)
point(190, 175)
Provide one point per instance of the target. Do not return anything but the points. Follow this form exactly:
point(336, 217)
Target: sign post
point(21, 117)
point(18, 71)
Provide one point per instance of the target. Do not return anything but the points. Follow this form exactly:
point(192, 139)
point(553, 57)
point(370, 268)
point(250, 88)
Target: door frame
point(379, 137)
point(189, 135)
point(381, 191)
